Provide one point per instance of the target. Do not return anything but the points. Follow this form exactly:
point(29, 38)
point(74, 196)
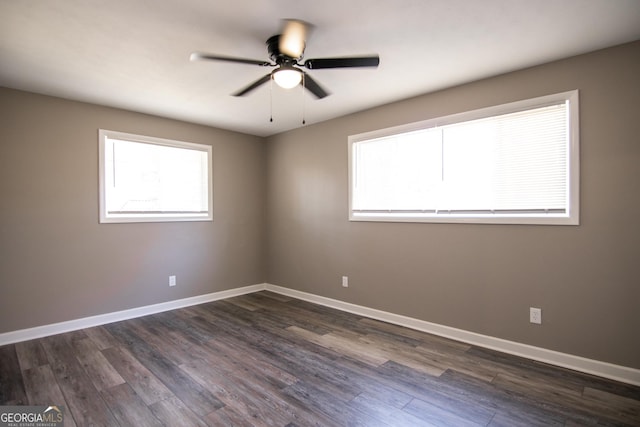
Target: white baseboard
point(101, 319)
point(576, 363)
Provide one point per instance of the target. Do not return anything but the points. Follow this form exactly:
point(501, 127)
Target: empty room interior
point(432, 224)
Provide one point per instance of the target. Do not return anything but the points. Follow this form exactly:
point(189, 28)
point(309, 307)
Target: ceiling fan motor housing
point(273, 46)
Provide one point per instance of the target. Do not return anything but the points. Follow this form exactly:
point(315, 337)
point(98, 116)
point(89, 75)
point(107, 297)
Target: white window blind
point(516, 165)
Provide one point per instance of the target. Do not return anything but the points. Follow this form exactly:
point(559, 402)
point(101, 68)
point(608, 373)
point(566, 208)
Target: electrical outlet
point(535, 315)
point(345, 281)
point(172, 280)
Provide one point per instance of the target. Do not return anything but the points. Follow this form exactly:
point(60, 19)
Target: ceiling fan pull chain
point(271, 100)
point(303, 104)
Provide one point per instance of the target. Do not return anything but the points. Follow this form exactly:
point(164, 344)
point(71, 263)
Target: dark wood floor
point(268, 360)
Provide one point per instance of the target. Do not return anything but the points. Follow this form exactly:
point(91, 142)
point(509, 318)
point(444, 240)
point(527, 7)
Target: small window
point(146, 179)
point(511, 164)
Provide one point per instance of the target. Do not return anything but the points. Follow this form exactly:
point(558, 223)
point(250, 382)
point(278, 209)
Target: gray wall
point(58, 263)
point(480, 278)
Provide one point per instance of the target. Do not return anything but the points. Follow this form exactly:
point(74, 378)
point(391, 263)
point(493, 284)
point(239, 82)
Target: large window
point(516, 163)
point(146, 179)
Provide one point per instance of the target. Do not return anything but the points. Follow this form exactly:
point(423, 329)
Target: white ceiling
point(134, 54)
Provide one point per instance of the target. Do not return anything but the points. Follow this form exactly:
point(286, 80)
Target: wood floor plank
point(101, 337)
point(428, 340)
point(324, 317)
point(229, 416)
point(41, 386)
point(173, 412)
point(510, 364)
point(199, 399)
point(388, 414)
point(190, 334)
point(523, 381)
point(85, 403)
point(525, 417)
point(439, 416)
point(180, 336)
point(388, 335)
point(42, 389)
point(336, 320)
point(507, 406)
point(144, 382)
point(243, 319)
point(153, 336)
point(128, 408)
point(623, 403)
point(11, 384)
point(544, 396)
point(365, 378)
point(405, 355)
point(317, 399)
point(80, 344)
point(614, 387)
point(78, 341)
point(284, 359)
point(244, 391)
point(346, 378)
point(243, 302)
point(441, 392)
point(284, 350)
point(31, 354)
point(309, 363)
point(273, 295)
point(344, 346)
point(251, 362)
point(616, 407)
point(290, 312)
point(288, 315)
point(100, 371)
point(250, 400)
point(460, 362)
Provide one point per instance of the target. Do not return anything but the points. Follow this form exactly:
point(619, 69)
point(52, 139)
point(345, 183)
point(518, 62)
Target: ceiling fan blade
point(196, 56)
point(363, 61)
point(314, 87)
point(293, 38)
point(252, 86)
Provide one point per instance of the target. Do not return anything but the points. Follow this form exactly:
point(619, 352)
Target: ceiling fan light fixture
point(287, 78)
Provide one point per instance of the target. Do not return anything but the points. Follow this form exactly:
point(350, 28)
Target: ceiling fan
point(286, 50)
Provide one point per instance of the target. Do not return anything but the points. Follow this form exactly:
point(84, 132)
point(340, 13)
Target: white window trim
point(104, 134)
point(572, 217)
